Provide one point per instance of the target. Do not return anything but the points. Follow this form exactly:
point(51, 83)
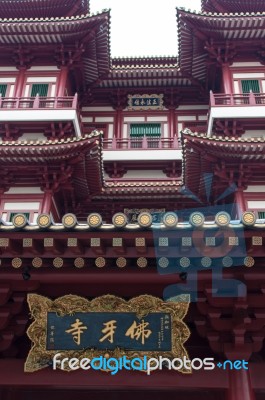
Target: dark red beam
point(79, 277)
point(12, 374)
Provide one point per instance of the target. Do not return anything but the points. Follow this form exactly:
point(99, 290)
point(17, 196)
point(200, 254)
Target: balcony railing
point(45, 109)
point(38, 102)
point(140, 143)
point(237, 100)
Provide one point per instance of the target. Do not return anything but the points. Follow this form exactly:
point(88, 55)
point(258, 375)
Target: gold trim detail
point(145, 219)
point(19, 221)
point(197, 219)
point(16, 262)
point(170, 219)
point(94, 220)
point(222, 218)
point(69, 221)
point(248, 218)
point(79, 262)
point(39, 358)
point(142, 262)
point(37, 262)
point(58, 262)
point(163, 262)
point(100, 262)
point(119, 220)
point(249, 262)
point(121, 262)
point(157, 106)
point(206, 262)
point(184, 262)
point(44, 221)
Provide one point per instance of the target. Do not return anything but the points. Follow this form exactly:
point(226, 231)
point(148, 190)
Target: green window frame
point(250, 85)
point(148, 130)
point(261, 214)
point(3, 89)
point(11, 216)
point(39, 88)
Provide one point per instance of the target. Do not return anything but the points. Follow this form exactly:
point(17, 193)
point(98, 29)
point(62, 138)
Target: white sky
point(143, 27)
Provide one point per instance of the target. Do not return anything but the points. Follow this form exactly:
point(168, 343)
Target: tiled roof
point(222, 139)
point(91, 32)
point(83, 155)
point(144, 62)
point(145, 71)
point(201, 31)
point(233, 6)
point(41, 152)
point(204, 155)
point(42, 8)
point(53, 148)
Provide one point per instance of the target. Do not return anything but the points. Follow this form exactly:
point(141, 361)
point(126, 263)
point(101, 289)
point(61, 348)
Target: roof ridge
point(188, 132)
point(18, 143)
point(56, 19)
point(216, 14)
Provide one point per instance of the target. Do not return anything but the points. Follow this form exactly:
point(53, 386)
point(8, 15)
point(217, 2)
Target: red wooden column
point(47, 202)
point(240, 203)
point(171, 102)
point(227, 79)
point(20, 82)
point(240, 387)
point(172, 122)
point(118, 123)
point(62, 81)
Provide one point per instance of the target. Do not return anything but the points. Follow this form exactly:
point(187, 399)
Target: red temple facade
point(132, 176)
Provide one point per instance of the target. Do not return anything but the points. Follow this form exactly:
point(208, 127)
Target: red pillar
point(62, 81)
point(47, 202)
point(172, 122)
point(227, 79)
point(118, 123)
point(240, 203)
point(20, 82)
point(240, 387)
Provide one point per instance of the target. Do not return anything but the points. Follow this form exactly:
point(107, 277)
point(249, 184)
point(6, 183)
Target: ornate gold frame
point(159, 97)
point(39, 357)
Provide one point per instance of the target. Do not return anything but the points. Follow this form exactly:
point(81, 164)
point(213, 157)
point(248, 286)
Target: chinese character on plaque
point(74, 325)
point(145, 102)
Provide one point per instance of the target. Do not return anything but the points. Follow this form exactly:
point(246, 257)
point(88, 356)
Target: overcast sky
point(143, 27)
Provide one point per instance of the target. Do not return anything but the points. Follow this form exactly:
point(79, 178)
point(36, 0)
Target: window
point(141, 130)
point(39, 88)
point(152, 132)
point(11, 216)
point(261, 214)
point(3, 89)
point(250, 85)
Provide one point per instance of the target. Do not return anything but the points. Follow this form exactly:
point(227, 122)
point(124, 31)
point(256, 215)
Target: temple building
point(131, 177)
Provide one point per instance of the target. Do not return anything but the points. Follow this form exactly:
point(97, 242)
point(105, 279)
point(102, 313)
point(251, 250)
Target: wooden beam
point(12, 374)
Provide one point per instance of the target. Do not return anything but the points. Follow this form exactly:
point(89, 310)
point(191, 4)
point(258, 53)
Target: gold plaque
point(72, 315)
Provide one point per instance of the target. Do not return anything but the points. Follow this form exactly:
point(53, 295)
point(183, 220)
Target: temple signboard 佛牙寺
point(75, 326)
point(108, 331)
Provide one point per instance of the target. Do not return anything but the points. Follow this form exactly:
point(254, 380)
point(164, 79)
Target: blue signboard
point(145, 102)
point(109, 330)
